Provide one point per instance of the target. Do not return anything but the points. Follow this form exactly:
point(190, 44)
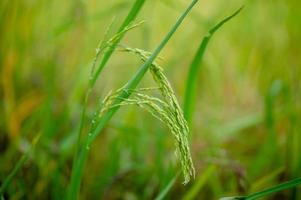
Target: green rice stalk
point(105, 46)
point(76, 168)
point(101, 46)
point(191, 83)
point(131, 16)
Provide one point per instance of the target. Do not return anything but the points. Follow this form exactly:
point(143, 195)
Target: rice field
point(150, 99)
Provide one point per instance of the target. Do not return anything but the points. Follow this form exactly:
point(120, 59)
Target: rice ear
point(166, 110)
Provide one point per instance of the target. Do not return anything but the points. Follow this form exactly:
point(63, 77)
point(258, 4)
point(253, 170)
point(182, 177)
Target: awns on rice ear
point(166, 110)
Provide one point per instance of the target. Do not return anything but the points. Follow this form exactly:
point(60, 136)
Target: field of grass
point(150, 99)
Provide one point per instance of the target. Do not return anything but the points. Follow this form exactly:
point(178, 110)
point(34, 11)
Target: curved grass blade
point(271, 190)
point(191, 83)
point(266, 179)
point(277, 188)
point(199, 183)
point(83, 152)
point(19, 164)
point(165, 191)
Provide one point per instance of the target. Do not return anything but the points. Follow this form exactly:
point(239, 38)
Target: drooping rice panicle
point(167, 110)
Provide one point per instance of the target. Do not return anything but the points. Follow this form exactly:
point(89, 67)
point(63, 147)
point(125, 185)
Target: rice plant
point(132, 84)
point(166, 99)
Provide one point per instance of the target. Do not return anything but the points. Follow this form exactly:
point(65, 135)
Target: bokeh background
point(246, 128)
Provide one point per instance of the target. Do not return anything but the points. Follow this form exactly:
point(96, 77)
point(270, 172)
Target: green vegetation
point(220, 95)
point(191, 86)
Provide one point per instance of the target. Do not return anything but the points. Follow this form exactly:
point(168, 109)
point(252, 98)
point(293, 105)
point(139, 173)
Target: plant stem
point(74, 183)
point(131, 16)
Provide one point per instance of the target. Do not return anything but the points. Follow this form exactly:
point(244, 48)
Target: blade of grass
point(200, 182)
point(271, 190)
point(266, 179)
point(232, 128)
point(19, 164)
point(268, 149)
point(191, 83)
point(83, 152)
point(165, 191)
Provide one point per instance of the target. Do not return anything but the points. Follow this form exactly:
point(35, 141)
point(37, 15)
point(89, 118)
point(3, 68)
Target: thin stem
point(75, 183)
point(131, 16)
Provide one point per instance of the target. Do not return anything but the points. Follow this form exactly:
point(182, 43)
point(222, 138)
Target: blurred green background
point(247, 122)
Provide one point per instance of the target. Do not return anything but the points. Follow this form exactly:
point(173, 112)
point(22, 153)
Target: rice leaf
point(165, 191)
point(19, 164)
point(271, 190)
point(191, 82)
